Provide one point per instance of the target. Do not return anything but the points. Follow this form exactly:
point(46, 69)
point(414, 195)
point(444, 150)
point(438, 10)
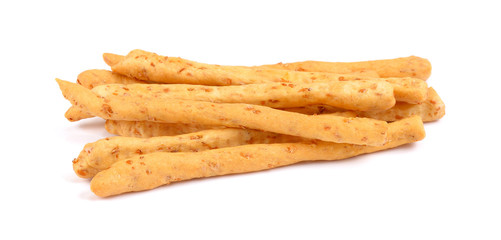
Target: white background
point(445, 187)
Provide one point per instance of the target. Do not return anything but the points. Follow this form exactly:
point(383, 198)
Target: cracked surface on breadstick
point(99, 155)
point(330, 128)
point(398, 67)
point(149, 66)
point(353, 95)
point(156, 169)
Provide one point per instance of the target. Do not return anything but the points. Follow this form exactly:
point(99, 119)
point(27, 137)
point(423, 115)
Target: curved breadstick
point(96, 77)
point(149, 66)
point(99, 155)
point(156, 169)
point(111, 59)
point(145, 129)
point(356, 95)
point(399, 67)
point(361, 131)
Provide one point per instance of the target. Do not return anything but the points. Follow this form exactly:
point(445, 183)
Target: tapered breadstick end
point(112, 59)
point(102, 183)
point(74, 114)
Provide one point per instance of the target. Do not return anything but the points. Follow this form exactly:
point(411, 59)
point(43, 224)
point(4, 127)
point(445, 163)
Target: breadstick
point(399, 67)
point(111, 59)
point(96, 77)
point(409, 90)
point(156, 169)
point(356, 95)
point(430, 110)
point(99, 155)
point(357, 98)
point(145, 129)
point(361, 131)
point(91, 79)
point(74, 114)
point(152, 67)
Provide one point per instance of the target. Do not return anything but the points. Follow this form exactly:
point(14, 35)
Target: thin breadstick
point(399, 67)
point(96, 77)
point(92, 78)
point(430, 110)
point(353, 95)
point(111, 59)
point(405, 89)
point(156, 169)
point(149, 66)
point(99, 155)
point(361, 131)
point(145, 129)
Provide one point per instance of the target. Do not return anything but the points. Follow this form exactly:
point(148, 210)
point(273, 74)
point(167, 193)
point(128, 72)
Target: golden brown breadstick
point(91, 79)
point(430, 110)
point(352, 95)
point(145, 129)
point(156, 169)
point(96, 77)
point(152, 67)
point(99, 155)
point(399, 67)
point(361, 131)
point(112, 59)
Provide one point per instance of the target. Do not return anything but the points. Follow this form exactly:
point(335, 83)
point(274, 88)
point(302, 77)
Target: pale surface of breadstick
point(351, 95)
point(361, 131)
point(101, 154)
point(145, 129)
point(399, 67)
point(157, 169)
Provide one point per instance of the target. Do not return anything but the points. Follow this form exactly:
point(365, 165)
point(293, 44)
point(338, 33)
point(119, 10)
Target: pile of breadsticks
point(178, 119)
